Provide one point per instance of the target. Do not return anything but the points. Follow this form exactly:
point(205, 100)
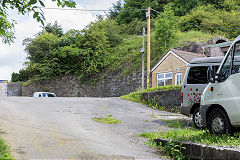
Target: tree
point(54, 29)
point(126, 17)
point(115, 10)
point(23, 7)
point(209, 19)
point(165, 29)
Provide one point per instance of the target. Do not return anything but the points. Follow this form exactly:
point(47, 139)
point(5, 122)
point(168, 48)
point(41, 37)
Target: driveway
point(62, 128)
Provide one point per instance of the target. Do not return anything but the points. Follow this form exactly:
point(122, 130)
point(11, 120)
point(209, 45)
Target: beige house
point(170, 70)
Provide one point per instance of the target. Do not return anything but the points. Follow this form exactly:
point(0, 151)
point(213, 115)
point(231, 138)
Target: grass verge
point(190, 134)
point(174, 123)
point(4, 151)
point(106, 120)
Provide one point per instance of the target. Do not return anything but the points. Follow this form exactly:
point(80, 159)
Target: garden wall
point(171, 98)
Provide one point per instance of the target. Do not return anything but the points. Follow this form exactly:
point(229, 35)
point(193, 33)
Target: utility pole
point(148, 45)
point(143, 50)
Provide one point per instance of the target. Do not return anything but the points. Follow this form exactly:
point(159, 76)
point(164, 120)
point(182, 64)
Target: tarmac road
point(62, 128)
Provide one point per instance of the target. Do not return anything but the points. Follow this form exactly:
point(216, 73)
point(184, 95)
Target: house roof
point(184, 56)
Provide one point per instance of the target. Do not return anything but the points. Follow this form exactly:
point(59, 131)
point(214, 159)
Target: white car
point(43, 94)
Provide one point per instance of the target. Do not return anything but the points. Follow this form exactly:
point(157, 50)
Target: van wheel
point(219, 123)
point(197, 119)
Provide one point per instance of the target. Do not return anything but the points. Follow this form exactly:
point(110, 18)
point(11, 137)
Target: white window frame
point(164, 77)
point(176, 80)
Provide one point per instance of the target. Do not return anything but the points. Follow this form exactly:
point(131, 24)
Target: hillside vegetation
point(113, 43)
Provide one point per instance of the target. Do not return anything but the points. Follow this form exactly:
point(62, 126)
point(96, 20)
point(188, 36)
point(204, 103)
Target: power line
point(224, 28)
point(102, 10)
point(91, 10)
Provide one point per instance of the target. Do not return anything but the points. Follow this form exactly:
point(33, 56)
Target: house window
point(164, 79)
point(178, 79)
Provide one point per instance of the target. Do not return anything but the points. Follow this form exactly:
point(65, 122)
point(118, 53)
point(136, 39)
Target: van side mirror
point(211, 77)
point(217, 77)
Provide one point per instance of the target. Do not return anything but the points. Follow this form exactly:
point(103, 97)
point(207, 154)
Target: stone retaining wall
point(105, 85)
point(14, 89)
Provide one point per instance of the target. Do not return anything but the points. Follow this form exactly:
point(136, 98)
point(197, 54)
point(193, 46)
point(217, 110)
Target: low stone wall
point(169, 98)
point(198, 151)
point(105, 85)
point(14, 89)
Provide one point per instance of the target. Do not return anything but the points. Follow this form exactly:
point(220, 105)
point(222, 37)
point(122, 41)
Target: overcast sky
point(13, 56)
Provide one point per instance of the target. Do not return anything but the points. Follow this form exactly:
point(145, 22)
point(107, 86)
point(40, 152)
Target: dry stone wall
point(14, 89)
point(113, 84)
point(169, 98)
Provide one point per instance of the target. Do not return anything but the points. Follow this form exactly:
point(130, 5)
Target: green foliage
point(55, 29)
point(182, 7)
point(115, 10)
point(15, 77)
point(112, 45)
point(127, 57)
point(210, 16)
point(174, 123)
point(23, 7)
point(4, 151)
point(181, 38)
point(173, 150)
point(83, 53)
point(191, 134)
point(106, 120)
point(165, 29)
point(127, 17)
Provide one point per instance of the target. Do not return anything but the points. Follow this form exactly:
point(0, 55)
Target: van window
point(197, 75)
point(226, 68)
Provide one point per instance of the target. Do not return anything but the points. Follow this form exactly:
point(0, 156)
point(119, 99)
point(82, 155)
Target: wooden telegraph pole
point(148, 45)
point(143, 50)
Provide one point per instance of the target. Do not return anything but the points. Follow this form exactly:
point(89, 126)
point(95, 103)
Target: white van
point(220, 102)
point(43, 94)
point(195, 81)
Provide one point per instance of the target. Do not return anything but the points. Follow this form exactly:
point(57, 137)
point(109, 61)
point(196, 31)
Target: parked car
point(43, 94)
point(220, 102)
point(195, 81)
